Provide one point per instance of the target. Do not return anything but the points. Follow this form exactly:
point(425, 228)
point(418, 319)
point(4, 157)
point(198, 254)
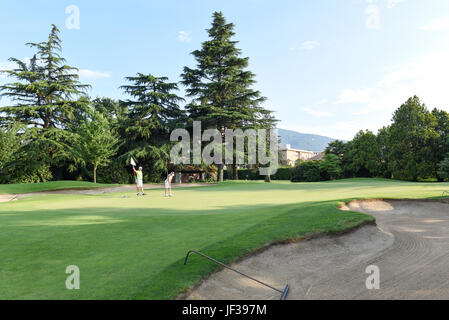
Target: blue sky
point(330, 67)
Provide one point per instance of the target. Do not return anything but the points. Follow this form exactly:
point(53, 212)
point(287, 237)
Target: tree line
point(414, 147)
point(52, 130)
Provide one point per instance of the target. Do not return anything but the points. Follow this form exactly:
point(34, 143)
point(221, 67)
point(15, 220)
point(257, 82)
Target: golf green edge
point(248, 242)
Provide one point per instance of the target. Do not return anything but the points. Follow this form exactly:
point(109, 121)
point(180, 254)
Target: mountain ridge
point(304, 141)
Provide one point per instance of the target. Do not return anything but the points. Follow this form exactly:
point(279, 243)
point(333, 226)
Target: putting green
point(130, 247)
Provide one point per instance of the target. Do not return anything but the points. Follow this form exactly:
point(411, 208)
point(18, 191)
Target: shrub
point(249, 174)
point(308, 171)
point(443, 169)
point(115, 172)
point(283, 173)
point(312, 171)
point(32, 175)
point(330, 167)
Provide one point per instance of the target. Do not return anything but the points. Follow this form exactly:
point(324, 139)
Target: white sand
point(410, 245)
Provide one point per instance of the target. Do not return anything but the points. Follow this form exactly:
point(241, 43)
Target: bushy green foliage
point(410, 141)
point(336, 147)
point(311, 171)
point(244, 174)
point(22, 157)
point(308, 171)
point(409, 149)
point(362, 155)
point(283, 173)
point(95, 142)
point(114, 172)
point(9, 145)
point(44, 97)
point(31, 175)
point(330, 167)
point(47, 90)
point(443, 169)
point(152, 112)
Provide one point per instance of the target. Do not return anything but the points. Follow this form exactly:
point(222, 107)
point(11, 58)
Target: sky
point(328, 67)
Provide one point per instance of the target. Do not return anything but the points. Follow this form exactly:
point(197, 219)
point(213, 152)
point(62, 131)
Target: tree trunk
point(220, 172)
point(235, 171)
point(220, 166)
point(95, 174)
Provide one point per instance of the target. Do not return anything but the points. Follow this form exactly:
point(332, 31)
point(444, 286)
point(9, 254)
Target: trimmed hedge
point(312, 171)
point(283, 173)
point(309, 171)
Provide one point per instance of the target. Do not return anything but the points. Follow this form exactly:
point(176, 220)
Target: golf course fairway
point(129, 247)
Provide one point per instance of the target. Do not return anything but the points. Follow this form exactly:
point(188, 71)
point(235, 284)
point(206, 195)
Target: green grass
point(48, 186)
point(130, 247)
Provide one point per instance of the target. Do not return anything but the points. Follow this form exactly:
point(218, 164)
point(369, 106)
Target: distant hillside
point(304, 141)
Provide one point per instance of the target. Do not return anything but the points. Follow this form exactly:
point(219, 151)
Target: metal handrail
point(283, 292)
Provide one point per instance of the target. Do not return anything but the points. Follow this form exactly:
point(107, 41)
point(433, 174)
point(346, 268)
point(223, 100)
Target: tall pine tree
point(221, 87)
point(46, 90)
point(153, 112)
point(44, 96)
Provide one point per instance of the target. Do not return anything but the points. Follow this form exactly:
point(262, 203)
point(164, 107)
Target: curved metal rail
point(283, 292)
point(443, 196)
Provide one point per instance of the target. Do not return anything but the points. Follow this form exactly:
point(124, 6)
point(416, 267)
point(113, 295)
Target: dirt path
point(410, 246)
point(124, 188)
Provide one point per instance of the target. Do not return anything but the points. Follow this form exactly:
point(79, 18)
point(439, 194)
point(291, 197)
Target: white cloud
point(184, 36)
point(436, 25)
point(317, 114)
point(308, 45)
point(93, 75)
point(6, 65)
point(356, 96)
point(425, 77)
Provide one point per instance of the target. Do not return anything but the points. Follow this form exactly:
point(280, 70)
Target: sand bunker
point(7, 197)
point(410, 245)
